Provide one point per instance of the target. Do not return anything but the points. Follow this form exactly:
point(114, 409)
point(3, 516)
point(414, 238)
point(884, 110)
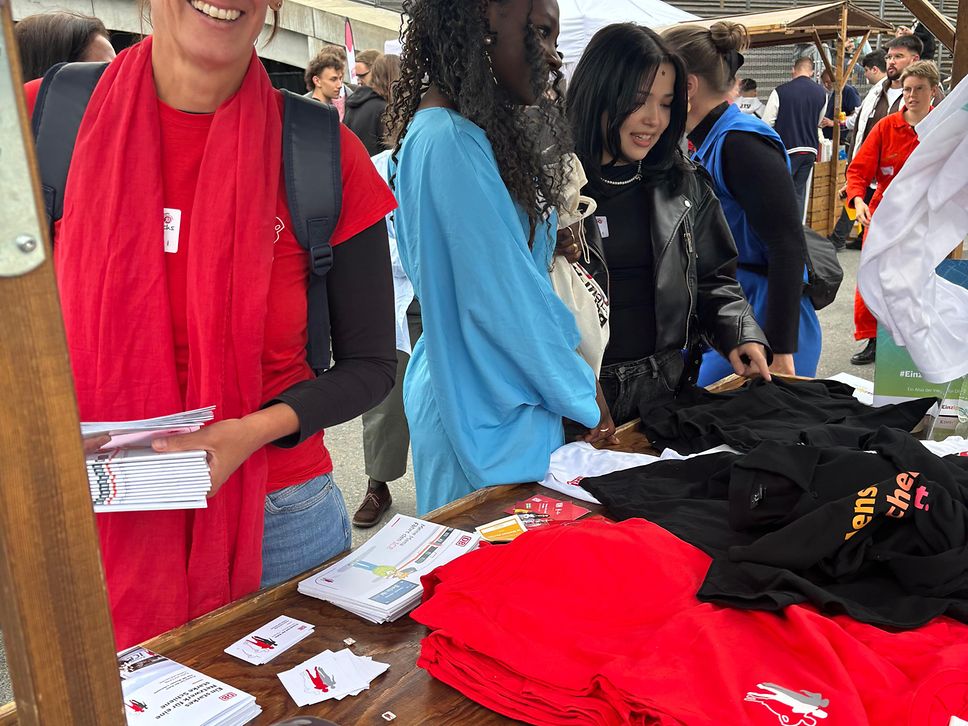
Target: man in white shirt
point(748, 102)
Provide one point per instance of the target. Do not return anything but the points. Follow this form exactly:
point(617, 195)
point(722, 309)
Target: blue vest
point(801, 103)
point(752, 250)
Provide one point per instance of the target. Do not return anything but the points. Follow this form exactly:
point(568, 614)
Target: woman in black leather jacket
point(671, 258)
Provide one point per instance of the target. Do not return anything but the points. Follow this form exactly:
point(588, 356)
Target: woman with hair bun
point(751, 176)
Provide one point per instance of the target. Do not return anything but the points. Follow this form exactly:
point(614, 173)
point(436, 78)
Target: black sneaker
point(866, 356)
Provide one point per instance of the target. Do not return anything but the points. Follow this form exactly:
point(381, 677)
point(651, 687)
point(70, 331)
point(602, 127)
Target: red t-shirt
point(598, 623)
point(366, 200)
point(31, 89)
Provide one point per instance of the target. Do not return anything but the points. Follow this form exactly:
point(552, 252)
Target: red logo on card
point(227, 696)
point(463, 541)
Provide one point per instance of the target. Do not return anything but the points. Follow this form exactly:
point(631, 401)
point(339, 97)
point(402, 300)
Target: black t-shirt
point(881, 535)
point(813, 412)
point(623, 218)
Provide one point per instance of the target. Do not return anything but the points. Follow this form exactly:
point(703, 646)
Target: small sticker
point(172, 227)
point(349, 641)
point(388, 715)
point(602, 223)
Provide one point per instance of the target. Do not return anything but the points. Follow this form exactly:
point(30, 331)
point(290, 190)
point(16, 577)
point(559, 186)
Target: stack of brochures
point(380, 581)
point(157, 690)
point(126, 474)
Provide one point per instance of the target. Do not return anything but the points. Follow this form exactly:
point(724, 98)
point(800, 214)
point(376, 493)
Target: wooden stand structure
point(53, 603)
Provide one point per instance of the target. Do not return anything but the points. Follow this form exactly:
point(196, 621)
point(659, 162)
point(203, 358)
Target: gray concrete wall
point(304, 25)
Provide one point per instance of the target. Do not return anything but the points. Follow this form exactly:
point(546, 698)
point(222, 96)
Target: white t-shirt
point(753, 106)
point(922, 217)
point(892, 96)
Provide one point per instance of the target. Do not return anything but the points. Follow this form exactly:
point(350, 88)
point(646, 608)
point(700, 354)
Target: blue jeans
point(305, 525)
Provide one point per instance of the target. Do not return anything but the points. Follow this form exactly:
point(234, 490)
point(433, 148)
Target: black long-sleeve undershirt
point(756, 174)
point(360, 292)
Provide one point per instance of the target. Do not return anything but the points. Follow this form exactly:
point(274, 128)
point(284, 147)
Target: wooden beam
point(931, 18)
point(828, 64)
point(839, 78)
point(960, 65)
point(854, 58)
point(959, 70)
point(56, 622)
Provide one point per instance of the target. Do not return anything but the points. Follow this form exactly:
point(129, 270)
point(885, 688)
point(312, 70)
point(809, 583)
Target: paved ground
point(345, 442)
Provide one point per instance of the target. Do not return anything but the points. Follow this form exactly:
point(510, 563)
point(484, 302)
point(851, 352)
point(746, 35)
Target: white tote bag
point(572, 282)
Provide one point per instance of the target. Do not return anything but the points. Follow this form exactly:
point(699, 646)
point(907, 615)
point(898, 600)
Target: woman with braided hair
point(496, 369)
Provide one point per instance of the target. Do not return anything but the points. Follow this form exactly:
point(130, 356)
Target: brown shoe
point(375, 504)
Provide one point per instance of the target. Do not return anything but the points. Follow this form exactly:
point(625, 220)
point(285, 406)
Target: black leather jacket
point(696, 292)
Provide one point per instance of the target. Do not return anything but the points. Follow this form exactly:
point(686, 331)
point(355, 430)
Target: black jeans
point(801, 164)
point(626, 384)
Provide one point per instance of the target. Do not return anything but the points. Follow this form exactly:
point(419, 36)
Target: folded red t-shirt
point(597, 623)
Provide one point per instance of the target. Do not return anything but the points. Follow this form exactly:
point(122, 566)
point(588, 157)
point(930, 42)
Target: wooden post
point(959, 70)
point(855, 57)
point(931, 18)
point(56, 623)
point(839, 79)
point(828, 64)
point(960, 66)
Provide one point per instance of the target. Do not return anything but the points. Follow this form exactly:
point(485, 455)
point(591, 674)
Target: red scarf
point(164, 568)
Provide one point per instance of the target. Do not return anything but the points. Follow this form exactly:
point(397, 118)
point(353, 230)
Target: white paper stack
point(331, 675)
point(157, 690)
point(381, 580)
point(128, 475)
point(143, 432)
point(143, 479)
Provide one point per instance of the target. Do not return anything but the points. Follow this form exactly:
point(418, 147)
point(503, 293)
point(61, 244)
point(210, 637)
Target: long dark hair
point(604, 91)
point(443, 44)
point(47, 39)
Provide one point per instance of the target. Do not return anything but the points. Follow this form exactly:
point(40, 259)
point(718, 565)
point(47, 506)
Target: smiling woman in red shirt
point(880, 158)
point(211, 309)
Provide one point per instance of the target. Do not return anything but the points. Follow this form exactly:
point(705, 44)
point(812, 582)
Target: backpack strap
point(314, 189)
point(61, 103)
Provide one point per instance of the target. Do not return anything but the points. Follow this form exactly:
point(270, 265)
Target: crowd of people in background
point(884, 71)
point(685, 197)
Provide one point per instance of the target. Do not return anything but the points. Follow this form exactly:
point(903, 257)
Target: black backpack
point(824, 273)
point(311, 165)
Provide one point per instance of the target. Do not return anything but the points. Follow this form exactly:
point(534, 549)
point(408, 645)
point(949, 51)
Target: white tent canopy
point(581, 19)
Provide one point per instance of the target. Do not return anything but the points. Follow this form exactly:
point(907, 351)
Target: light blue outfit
point(496, 368)
point(752, 251)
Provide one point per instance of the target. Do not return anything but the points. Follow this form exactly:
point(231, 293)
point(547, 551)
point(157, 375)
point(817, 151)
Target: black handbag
point(824, 273)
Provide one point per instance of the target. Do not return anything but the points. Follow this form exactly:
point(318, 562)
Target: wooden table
point(407, 691)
